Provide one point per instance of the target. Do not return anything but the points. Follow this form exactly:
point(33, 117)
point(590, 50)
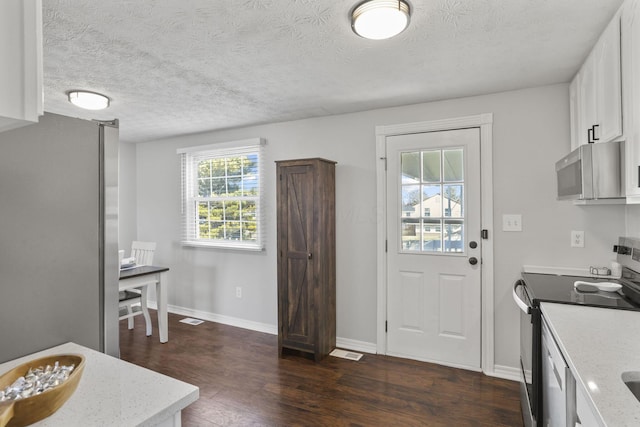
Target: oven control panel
point(628, 250)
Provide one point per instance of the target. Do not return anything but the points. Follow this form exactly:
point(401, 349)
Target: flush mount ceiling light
point(88, 100)
point(380, 19)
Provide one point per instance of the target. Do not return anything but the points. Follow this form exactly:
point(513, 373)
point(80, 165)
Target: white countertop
point(599, 344)
point(113, 392)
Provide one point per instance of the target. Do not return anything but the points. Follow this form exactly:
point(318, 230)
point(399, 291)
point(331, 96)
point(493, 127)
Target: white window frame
point(189, 158)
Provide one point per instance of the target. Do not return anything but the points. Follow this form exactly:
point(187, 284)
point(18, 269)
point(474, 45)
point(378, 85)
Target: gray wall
point(531, 131)
point(127, 196)
point(633, 221)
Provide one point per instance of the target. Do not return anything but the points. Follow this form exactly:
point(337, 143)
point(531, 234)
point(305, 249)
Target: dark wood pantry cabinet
point(306, 256)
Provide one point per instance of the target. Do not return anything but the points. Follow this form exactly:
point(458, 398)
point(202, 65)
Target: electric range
point(560, 289)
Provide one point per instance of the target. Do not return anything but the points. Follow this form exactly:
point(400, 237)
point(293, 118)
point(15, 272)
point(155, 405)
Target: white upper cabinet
point(21, 58)
point(631, 97)
point(573, 110)
point(596, 104)
point(609, 83)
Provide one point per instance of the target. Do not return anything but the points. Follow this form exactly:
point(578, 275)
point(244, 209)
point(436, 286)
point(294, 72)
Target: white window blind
point(222, 195)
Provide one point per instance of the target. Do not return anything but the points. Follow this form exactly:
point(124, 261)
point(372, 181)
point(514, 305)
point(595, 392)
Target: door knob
point(473, 260)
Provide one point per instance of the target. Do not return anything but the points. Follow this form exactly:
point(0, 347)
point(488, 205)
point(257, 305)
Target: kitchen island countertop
point(112, 392)
point(599, 344)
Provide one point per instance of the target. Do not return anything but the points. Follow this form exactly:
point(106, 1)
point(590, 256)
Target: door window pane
point(431, 166)
point(453, 236)
point(410, 235)
point(411, 167)
point(431, 236)
point(453, 165)
point(411, 201)
point(431, 200)
point(452, 201)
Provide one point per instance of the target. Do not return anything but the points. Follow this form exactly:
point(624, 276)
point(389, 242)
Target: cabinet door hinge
point(386, 326)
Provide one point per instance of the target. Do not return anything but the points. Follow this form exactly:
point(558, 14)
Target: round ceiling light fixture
point(380, 19)
point(88, 100)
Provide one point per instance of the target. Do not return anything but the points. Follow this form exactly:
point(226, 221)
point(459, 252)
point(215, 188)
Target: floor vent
point(190, 321)
point(351, 355)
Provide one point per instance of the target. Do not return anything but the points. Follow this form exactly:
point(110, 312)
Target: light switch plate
point(512, 222)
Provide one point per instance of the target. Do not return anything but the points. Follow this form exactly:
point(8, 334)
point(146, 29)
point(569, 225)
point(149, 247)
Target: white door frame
point(485, 123)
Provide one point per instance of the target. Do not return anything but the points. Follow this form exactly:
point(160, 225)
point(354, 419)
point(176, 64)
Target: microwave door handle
point(589, 133)
point(593, 133)
point(521, 304)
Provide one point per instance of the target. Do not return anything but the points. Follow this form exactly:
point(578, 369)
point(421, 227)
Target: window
point(221, 195)
point(432, 184)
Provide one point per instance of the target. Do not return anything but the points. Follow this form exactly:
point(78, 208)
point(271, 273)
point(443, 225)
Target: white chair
point(143, 252)
point(133, 302)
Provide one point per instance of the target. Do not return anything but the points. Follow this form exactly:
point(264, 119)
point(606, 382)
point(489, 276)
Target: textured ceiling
point(175, 67)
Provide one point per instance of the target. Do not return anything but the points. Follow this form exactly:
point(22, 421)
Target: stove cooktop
point(560, 289)
point(556, 288)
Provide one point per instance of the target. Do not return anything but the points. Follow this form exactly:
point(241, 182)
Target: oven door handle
point(521, 304)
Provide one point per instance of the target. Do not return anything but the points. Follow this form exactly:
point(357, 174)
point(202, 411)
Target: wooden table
point(142, 276)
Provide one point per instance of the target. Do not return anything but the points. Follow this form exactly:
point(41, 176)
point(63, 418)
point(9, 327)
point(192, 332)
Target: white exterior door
point(433, 222)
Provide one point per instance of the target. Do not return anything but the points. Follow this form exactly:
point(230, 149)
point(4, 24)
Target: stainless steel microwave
point(591, 172)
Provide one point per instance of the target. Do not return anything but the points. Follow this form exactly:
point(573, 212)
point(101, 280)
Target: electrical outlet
point(238, 292)
point(577, 239)
point(511, 222)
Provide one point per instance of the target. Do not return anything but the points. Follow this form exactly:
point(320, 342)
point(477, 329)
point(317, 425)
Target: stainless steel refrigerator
point(59, 236)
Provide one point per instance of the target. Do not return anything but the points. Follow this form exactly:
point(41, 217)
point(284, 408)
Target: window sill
point(226, 246)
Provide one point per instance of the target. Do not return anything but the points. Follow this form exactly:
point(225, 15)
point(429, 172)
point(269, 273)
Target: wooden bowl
point(17, 413)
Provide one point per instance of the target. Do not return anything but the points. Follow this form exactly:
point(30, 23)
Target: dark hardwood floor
point(244, 383)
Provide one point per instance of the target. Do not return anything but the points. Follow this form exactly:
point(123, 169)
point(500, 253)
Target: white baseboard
point(505, 372)
point(225, 320)
point(345, 343)
point(355, 345)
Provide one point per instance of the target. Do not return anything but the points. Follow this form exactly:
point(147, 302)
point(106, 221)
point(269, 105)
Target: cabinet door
point(587, 98)
point(631, 58)
point(295, 234)
point(574, 112)
point(608, 78)
point(598, 92)
point(21, 59)
point(554, 382)
point(584, 414)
